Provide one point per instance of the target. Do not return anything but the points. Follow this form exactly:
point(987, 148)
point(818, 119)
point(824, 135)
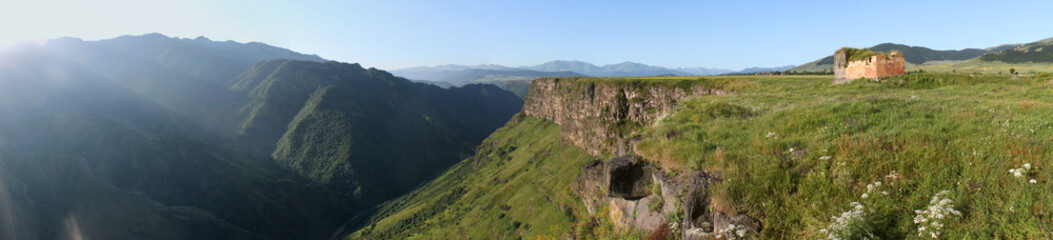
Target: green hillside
point(150, 137)
point(75, 148)
point(516, 185)
point(1035, 52)
point(357, 129)
point(793, 152)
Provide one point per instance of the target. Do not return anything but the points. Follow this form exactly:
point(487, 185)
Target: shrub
point(656, 204)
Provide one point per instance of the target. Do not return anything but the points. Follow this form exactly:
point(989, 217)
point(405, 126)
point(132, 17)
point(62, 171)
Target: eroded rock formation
point(637, 195)
point(595, 115)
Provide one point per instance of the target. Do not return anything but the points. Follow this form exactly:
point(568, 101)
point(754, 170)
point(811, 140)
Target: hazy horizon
point(401, 34)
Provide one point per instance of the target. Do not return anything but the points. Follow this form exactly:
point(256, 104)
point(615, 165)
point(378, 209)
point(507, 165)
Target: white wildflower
point(1021, 171)
point(770, 135)
point(939, 208)
point(849, 225)
point(893, 175)
point(825, 158)
point(1017, 172)
point(1033, 181)
point(864, 196)
point(884, 193)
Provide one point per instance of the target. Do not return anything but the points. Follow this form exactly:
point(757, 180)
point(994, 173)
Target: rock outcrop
point(597, 115)
point(640, 196)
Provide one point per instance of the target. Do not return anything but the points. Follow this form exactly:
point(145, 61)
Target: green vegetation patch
point(856, 54)
point(517, 185)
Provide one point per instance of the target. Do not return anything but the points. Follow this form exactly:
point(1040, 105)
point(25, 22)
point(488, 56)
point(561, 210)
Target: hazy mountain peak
point(566, 67)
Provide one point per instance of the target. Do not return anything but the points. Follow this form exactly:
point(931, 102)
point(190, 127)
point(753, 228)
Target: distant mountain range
point(463, 77)
point(451, 72)
point(458, 75)
point(435, 73)
point(764, 69)
point(922, 55)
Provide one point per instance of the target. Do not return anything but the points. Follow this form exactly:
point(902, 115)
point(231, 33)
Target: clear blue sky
point(393, 34)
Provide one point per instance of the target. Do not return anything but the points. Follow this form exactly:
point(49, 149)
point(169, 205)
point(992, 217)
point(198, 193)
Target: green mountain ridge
point(122, 167)
point(141, 137)
point(1034, 52)
point(912, 54)
point(342, 119)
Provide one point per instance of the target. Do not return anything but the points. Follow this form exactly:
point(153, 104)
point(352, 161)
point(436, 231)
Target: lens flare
point(7, 210)
point(73, 229)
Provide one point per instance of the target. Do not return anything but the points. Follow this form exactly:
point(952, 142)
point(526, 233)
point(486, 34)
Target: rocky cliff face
point(598, 115)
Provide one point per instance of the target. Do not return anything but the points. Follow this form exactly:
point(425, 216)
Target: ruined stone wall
point(875, 68)
point(840, 61)
point(860, 69)
point(893, 66)
point(593, 114)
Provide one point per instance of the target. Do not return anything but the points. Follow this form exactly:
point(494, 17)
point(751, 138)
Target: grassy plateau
point(798, 151)
point(926, 155)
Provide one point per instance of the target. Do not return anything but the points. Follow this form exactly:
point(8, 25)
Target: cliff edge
point(599, 114)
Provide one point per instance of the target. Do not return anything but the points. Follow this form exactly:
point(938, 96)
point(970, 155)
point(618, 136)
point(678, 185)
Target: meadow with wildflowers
point(921, 156)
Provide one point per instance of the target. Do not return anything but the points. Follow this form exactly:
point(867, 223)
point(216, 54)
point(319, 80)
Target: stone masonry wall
point(876, 67)
point(840, 60)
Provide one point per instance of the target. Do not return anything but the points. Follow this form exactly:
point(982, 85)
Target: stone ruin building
point(851, 64)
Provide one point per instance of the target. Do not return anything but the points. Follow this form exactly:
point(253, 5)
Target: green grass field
point(794, 151)
point(975, 65)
